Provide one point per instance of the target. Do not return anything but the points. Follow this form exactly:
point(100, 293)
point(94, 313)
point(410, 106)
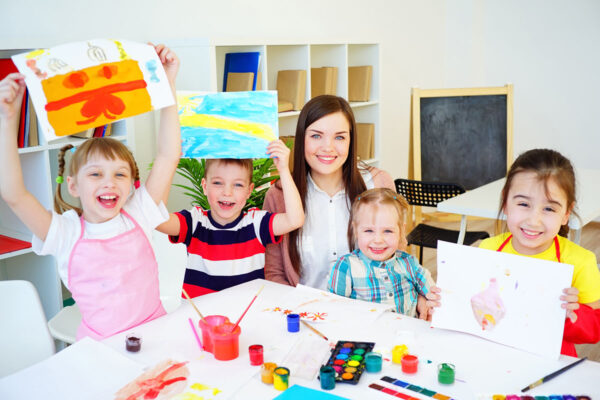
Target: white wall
point(547, 49)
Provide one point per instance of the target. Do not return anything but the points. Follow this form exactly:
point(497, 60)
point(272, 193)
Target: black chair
point(429, 194)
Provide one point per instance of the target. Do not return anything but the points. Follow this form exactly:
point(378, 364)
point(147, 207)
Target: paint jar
point(373, 362)
point(256, 354)
point(398, 352)
point(410, 364)
point(225, 342)
point(266, 372)
point(446, 373)
point(133, 342)
point(206, 326)
point(281, 378)
point(327, 376)
point(293, 322)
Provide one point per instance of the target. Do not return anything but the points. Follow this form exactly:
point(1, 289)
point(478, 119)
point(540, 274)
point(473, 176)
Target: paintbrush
point(247, 308)
point(553, 375)
point(309, 326)
point(193, 305)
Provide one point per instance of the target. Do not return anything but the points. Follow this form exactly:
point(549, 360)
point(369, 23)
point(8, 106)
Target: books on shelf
point(28, 131)
point(241, 63)
point(9, 244)
point(291, 87)
point(359, 82)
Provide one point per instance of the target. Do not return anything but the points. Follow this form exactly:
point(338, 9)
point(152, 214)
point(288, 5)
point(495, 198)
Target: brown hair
point(105, 147)
point(377, 196)
point(245, 163)
point(315, 109)
point(546, 164)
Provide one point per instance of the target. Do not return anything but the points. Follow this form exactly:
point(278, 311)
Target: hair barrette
point(136, 184)
point(59, 179)
point(73, 149)
point(358, 198)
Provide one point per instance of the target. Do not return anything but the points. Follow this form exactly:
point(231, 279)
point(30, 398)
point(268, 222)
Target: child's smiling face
point(227, 187)
point(103, 186)
point(377, 231)
point(535, 211)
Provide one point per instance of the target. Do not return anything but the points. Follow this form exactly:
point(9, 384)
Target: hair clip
point(358, 198)
point(395, 198)
point(59, 179)
point(73, 149)
point(136, 184)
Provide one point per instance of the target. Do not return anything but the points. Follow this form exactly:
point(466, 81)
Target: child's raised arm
point(293, 218)
point(12, 188)
point(168, 145)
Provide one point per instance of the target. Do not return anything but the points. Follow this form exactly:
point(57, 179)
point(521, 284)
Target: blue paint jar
point(293, 322)
point(327, 376)
point(373, 362)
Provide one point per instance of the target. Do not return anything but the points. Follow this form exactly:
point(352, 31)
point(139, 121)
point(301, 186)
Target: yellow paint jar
point(281, 377)
point(398, 352)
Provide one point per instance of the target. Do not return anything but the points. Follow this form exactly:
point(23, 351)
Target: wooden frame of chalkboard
point(461, 136)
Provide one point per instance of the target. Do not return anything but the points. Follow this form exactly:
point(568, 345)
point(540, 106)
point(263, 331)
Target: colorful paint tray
point(348, 360)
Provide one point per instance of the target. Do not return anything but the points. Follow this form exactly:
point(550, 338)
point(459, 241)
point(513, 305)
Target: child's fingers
point(570, 306)
point(572, 316)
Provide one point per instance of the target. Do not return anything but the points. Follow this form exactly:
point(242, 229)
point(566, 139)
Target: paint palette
point(348, 360)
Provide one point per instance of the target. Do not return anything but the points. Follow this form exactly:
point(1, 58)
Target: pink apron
point(114, 282)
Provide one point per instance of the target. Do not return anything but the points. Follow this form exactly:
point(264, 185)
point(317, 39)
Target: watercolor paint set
point(417, 389)
point(348, 360)
point(538, 397)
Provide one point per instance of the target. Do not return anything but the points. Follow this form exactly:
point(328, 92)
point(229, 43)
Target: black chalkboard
point(464, 139)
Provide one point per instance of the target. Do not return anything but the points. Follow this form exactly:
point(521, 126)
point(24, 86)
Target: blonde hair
point(245, 163)
point(106, 147)
point(377, 196)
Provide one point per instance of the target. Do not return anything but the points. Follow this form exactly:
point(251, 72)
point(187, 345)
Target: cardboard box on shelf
point(291, 86)
point(239, 81)
point(359, 82)
point(323, 81)
point(365, 136)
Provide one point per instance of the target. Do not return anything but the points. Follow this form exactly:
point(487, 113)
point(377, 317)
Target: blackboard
point(462, 136)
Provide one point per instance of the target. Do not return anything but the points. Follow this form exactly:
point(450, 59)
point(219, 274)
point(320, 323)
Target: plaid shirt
point(398, 280)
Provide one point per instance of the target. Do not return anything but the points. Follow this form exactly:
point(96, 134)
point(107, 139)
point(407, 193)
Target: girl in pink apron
point(103, 250)
point(537, 199)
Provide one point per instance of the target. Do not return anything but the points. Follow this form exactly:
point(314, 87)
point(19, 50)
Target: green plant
point(193, 170)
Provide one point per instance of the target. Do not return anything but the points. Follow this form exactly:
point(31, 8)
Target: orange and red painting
point(83, 85)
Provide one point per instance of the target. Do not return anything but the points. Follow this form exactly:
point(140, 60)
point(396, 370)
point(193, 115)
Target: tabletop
point(483, 368)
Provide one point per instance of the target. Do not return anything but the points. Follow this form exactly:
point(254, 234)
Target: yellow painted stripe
point(262, 131)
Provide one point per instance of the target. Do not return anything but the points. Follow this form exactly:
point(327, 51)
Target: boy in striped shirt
point(226, 246)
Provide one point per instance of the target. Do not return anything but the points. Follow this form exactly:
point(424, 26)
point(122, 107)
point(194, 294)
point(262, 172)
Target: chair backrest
point(429, 194)
point(24, 336)
point(172, 260)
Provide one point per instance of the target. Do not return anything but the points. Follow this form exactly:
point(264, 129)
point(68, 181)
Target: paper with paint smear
point(85, 370)
point(227, 124)
point(82, 85)
point(509, 299)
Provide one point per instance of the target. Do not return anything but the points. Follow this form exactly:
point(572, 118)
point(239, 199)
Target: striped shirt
point(398, 280)
point(221, 256)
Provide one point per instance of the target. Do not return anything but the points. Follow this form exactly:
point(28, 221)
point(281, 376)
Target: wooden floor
point(590, 239)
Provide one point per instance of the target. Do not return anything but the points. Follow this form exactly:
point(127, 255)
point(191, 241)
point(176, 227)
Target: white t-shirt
point(325, 232)
point(65, 228)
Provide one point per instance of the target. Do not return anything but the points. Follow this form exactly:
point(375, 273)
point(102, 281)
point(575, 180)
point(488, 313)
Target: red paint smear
point(153, 386)
point(90, 94)
point(101, 104)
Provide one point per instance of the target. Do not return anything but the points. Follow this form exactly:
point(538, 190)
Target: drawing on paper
point(227, 124)
point(164, 381)
point(83, 85)
point(488, 307)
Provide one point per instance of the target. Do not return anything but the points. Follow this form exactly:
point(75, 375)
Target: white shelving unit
point(40, 165)
point(209, 58)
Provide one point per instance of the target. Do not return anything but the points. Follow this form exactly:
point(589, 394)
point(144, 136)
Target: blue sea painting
point(227, 124)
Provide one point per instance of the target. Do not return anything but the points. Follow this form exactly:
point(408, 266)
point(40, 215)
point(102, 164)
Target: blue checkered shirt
point(398, 280)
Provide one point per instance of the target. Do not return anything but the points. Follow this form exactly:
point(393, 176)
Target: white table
point(483, 367)
point(484, 201)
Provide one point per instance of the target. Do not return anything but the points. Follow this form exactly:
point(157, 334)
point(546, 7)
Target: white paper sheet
point(516, 296)
point(85, 370)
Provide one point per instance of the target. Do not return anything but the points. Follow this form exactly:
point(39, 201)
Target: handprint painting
point(83, 85)
point(227, 124)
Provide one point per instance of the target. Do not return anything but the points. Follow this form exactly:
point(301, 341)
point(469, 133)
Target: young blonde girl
point(102, 248)
point(378, 270)
point(538, 199)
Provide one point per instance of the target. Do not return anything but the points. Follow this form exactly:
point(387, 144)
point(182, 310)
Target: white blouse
point(325, 232)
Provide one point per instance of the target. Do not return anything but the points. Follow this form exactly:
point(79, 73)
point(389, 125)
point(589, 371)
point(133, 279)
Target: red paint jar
point(256, 354)
point(226, 343)
point(410, 364)
point(207, 326)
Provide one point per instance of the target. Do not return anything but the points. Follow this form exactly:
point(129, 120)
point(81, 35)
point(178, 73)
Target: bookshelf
point(40, 166)
point(203, 65)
